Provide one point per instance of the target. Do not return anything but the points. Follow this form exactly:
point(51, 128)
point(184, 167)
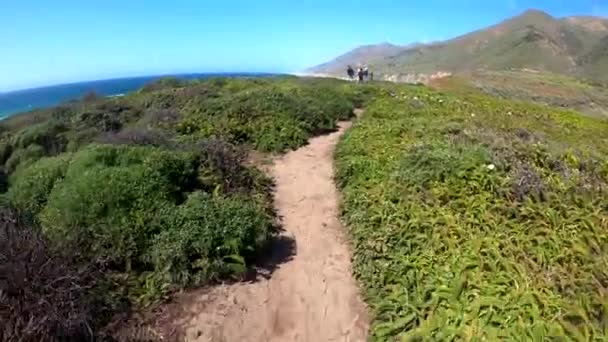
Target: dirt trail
point(310, 295)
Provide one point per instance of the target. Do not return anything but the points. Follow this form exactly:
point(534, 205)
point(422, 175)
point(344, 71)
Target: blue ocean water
point(29, 99)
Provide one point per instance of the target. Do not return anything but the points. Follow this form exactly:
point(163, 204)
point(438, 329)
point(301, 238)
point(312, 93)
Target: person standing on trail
point(360, 74)
point(350, 72)
point(371, 76)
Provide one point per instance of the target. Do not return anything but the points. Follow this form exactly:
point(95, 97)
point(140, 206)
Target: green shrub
point(23, 157)
point(270, 117)
point(163, 83)
point(30, 143)
point(146, 211)
point(222, 168)
point(279, 134)
point(30, 187)
point(111, 197)
point(134, 136)
point(330, 104)
point(20, 121)
point(6, 149)
point(106, 116)
point(48, 135)
point(207, 237)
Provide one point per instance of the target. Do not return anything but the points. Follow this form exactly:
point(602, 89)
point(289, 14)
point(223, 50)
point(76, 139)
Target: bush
point(330, 100)
point(163, 83)
point(223, 164)
point(128, 205)
point(31, 186)
point(111, 198)
point(279, 134)
point(106, 115)
point(134, 136)
point(33, 142)
point(48, 135)
point(20, 121)
point(154, 117)
point(211, 237)
point(6, 149)
point(23, 157)
point(45, 294)
point(271, 118)
point(158, 219)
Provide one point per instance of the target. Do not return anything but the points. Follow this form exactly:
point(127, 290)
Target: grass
point(152, 191)
point(475, 218)
point(550, 89)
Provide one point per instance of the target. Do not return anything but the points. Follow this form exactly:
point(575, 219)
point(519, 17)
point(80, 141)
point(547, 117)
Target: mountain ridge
point(573, 45)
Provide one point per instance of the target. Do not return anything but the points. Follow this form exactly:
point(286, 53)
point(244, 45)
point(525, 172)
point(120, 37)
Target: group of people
point(362, 73)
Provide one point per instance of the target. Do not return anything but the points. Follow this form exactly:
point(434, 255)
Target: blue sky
point(57, 41)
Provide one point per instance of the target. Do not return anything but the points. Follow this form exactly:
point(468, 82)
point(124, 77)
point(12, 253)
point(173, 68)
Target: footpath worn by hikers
point(311, 295)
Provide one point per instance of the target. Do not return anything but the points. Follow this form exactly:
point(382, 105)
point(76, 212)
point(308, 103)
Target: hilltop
point(361, 54)
point(575, 46)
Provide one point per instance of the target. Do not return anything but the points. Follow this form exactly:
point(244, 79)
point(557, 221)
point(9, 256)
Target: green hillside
point(111, 204)
point(475, 218)
point(470, 216)
point(549, 89)
point(360, 55)
point(533, 40)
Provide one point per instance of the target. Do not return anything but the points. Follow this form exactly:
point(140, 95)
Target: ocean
point(25, 100)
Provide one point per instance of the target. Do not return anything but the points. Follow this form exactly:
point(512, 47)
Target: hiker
point(360, 74)
point(350, 72)
point(371, 76)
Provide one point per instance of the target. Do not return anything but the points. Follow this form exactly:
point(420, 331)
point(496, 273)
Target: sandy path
point(309, 297)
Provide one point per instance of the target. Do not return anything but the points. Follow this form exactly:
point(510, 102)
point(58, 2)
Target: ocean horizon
point(25, 100)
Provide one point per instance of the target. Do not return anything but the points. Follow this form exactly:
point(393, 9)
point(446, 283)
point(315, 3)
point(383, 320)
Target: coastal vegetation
point(476, 218)
point(111, 204)
point(470, 216)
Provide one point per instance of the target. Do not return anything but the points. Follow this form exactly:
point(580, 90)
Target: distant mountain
point(358, 56)
point(533, 40)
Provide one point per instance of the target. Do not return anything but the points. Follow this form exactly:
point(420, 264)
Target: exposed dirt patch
point(305, 291)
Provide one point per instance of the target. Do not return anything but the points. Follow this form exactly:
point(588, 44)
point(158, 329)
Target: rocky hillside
point(533, 40)
point(360, 55)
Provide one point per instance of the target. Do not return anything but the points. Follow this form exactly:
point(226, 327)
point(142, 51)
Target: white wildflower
point(491, 167)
